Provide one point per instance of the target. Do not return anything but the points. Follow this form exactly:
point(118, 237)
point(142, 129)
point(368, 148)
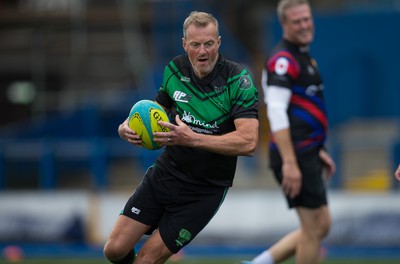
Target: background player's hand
point(397, 173)
point(179, 134)
point(328, 162)
point(291, 182)
point(127, 134)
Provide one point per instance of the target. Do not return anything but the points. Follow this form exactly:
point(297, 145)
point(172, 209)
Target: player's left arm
point(240, 142)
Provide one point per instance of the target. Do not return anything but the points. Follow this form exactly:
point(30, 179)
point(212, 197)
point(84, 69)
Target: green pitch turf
point(191, 261)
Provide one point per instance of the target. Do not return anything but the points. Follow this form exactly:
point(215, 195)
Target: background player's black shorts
point(180, 210)
point(313, 190)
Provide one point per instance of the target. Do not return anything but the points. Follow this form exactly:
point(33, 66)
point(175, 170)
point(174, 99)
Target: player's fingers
point(293, 189)
point(178, 120)
point(286, 187)
point(135, 141)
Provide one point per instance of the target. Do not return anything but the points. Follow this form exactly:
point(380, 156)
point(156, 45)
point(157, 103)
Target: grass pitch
point(191, 260)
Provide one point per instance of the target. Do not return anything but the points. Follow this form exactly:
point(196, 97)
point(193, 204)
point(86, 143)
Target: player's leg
point(315, 225)
point(280, 251)
point(312, 209)
point(193, 208)
point(153, 250)
point(285, 247)
point(133, 222)
point(122, 239)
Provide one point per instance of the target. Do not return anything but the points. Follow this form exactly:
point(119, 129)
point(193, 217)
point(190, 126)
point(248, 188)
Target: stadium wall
point(246, 218)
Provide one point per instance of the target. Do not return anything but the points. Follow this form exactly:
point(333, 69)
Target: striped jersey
point(291, 67)
point(208, 106)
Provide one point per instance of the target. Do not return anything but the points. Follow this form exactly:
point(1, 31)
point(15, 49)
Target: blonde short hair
point(200, 19)
point(283, 5)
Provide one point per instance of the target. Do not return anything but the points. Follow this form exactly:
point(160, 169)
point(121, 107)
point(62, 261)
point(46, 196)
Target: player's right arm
point(277, 99)
point(127, 134)
point(291, 182)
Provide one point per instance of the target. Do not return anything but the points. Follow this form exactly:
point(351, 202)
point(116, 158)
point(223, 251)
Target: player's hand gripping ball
point(143, 119)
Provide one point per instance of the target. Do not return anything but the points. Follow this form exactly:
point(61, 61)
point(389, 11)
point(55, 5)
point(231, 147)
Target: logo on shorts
point(184, 237)
point(135, 210)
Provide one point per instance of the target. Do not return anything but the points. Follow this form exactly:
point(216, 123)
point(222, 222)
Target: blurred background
point(70, 70)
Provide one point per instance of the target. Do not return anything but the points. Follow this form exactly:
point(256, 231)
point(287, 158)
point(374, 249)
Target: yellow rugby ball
point(143, 118)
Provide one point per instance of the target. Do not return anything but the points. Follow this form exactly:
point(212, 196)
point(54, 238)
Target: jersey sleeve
point(244, 98)
point(162, 96)
point(282, 69)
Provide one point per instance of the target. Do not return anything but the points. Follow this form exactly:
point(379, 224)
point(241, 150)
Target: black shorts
point(313, 191)
point(180, 210)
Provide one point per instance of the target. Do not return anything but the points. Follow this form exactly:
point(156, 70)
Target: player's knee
point(112, 252)
point(324, 228)
point(324, 232)
point(109, 253)
point(319, 229)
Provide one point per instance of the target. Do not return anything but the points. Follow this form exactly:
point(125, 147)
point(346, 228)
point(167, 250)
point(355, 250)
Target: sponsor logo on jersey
point(245, 82)
point(135, 210)
point(281, 66)
point(189, 118)
point(185, 79)
point(313, 89)
point(181, 97)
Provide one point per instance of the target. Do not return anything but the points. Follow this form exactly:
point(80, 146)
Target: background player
point(296, 111)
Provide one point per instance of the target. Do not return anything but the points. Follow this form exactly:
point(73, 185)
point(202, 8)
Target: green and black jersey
point(208, 106)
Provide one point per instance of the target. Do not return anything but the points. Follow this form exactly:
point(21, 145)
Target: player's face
point(298, 27)
point(202, 45)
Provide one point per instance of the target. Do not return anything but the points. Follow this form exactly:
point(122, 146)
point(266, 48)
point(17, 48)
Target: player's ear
point(219, 41)
point(184, 43)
